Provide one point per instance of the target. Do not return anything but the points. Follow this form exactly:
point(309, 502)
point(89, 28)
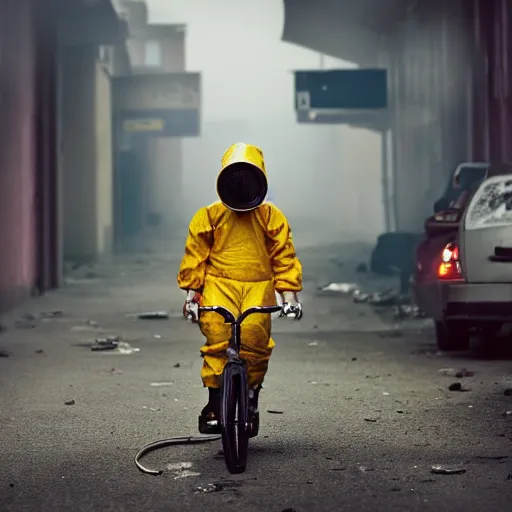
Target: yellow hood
point(245, 164)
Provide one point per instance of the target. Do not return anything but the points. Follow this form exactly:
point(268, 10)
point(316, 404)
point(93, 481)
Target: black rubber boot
point(254, 414)
point(209, 420)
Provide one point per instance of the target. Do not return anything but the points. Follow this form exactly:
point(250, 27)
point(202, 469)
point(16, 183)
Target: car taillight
point(450, 268)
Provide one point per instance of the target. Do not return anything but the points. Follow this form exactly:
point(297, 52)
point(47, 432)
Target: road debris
point(106, 343)
point(177, 365)
point(493, 457)
point(182, 470)
point(441, 469)
point(365, 469)
point(56, 313)
point(39, 351)
point(457, 386)
point(115, 371)
point(209, 488)
point(313, 344)
point(346, 288)
point(154, 409)
point(69, 402)
point(113, 344)
point(275, 412)
point(4, 353)
point(161, 384)
point(371, 420)
point(459, 374)
point(508, 392)
point(153, 315)
point(507, 414)
point(401, 303)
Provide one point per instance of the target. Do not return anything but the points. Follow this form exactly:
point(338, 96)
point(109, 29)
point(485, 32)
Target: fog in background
point(320, 176)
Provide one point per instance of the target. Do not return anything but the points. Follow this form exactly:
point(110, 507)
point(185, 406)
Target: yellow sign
point(143, 125)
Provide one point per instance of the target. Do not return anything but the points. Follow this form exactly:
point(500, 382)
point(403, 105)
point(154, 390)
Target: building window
point(153, 54)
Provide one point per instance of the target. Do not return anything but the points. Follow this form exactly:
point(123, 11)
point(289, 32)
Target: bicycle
point(236, 427)
point(235, 420)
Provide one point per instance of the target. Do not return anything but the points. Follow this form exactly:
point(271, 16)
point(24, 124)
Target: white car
point(470, 280)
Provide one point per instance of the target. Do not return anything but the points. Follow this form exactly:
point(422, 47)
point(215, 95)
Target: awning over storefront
point(352, 30)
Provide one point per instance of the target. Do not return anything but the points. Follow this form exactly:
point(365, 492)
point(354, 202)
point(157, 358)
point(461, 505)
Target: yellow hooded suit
point(238, 251)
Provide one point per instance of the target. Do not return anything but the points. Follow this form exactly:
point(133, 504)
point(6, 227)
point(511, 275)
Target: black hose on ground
point(172, 441)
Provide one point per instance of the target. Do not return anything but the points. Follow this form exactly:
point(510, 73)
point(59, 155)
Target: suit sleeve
point(287, 267)
point(197, 251)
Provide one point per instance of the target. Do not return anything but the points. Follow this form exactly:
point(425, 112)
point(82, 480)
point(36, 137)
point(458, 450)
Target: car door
point(486, 233)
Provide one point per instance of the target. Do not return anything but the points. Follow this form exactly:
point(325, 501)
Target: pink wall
point(17, 145)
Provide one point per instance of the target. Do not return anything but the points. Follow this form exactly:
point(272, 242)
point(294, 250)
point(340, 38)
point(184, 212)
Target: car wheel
point(452, 335)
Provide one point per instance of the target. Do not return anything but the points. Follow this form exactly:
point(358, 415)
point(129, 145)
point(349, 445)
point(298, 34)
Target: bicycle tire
point(234, 417)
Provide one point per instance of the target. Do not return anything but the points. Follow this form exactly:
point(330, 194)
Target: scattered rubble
point(346, 288)
point(106, 343)
point(459, 374)
point(401, 303)
point(457, 386)
point(153, 315)
point(441, 469)
point(113, 343)
point(209, 488)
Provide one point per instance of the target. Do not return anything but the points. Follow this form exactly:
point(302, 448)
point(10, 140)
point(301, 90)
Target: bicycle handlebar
point(230, 318)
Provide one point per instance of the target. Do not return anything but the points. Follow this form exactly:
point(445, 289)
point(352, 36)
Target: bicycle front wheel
point(234, 417)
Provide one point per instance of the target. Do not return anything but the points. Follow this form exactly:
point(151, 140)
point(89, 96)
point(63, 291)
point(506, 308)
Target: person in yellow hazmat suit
point(238, 253)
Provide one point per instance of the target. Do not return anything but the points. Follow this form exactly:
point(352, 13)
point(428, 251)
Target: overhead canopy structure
point(351, 30)
point(90, 22)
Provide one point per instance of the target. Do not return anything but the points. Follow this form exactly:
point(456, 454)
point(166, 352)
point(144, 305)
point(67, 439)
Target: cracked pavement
point(360, 411)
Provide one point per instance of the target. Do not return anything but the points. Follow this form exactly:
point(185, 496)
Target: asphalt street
point(354, 414)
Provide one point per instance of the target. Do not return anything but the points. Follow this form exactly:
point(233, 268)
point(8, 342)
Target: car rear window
point(468, 176)
point(491, 205)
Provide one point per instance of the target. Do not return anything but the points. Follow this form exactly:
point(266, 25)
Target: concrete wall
point(18, 207)
point(359, 165)
point(164, 179)
point(430, 70)
point(86, 154)
point(104, 162)
point(164, 155)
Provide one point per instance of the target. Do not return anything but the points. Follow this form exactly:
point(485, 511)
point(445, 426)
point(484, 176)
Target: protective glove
point(191, 306)
point(291, 305)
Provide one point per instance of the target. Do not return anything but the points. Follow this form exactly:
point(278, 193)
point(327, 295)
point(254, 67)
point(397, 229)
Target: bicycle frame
point(234, 416)
point(235, 341)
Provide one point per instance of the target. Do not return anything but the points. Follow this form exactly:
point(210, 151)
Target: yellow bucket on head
point(242, 182)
